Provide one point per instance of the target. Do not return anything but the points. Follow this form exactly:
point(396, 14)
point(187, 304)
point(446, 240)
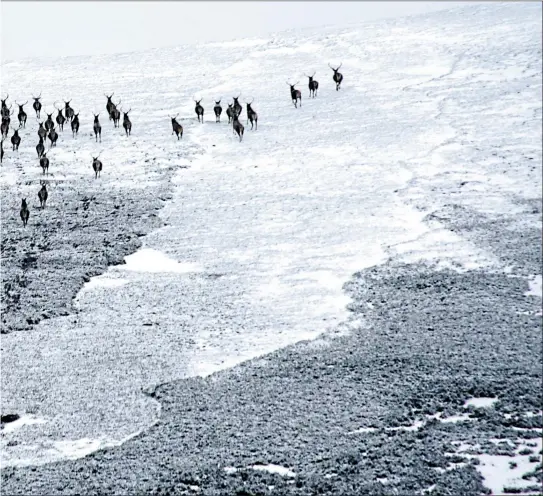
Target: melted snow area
point(261, 235)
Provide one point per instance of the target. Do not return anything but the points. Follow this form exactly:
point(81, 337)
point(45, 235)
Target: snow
point(480, 402)
point(285, 217)
point(536, 287)
point(275, 469)
point(22, 421)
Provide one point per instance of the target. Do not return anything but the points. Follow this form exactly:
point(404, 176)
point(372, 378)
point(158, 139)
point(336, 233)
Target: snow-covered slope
point(434, 110)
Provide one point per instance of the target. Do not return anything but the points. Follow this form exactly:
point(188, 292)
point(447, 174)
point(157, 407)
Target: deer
point(238, 127)
point(53, 137)
point(25, 213)
point(115, 114)
point(42, 133)
point(126, 122)
point(313, 85)
point(5, 111)
point(199, 110)
point(230, 112)
point(42, 194)
point(44, 163)
point(337, 77)
point(218, 111)
point(4, 127)
point(2, 150)
point(16, 139)
point(177, 128)
point(75, 124)
point(251, 114)
point(49, 124)
point(238, 109)
point(40, 148)
point(68, 111)
point(22, 114)
point(295, 94)
point(97, 128)
point(60, 119)
point(37, 105)
point(96, 166)
point(109, 105)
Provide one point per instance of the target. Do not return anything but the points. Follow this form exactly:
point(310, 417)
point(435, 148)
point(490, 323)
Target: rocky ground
point(359, 413)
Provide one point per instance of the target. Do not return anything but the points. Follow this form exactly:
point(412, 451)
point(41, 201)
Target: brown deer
point(251, 114)
point(177, 128)
point(295, 94)
point(337, 77)
point(42, 194)
point(25, 213)
point(313, 86)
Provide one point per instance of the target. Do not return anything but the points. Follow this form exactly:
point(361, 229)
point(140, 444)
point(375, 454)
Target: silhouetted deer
point(313, 86)
point(4, 127)
point(295, 94)
point(238, 127)
point(126, 123)
point(115, 114)
point(237, 106)
point(5, 111)
point(96, 166)
point(337, 77)
point(230, 112)
point(42, 195)
point(40, 148)
point(44, 163)
point(218, 111)
point(25, 213)
point(109, 105)
point(53, 137)
point(68, 111)
point(22, 114)
point(2, 150)
point(75, 124)
point(42, 133)
point(49, 124)
point(177, 128)
point(251, 114)
point(199, 110)
point(16, 139)
point(60, 119)
point(37, 105)
point(97, 128)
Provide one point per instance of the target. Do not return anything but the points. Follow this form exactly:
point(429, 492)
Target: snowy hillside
point(435, 113)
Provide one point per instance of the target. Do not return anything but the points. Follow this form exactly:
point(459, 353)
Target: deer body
point(337, 77)
point(237, 108)
point(313, 86)
point(42, 195)
point(230, 113)
point(2, 150)
point(60, 119)
point(252, 116)
point(68, 111)
point(126, 123)
point(25, 213)
point(22, 115)
point(97, 128)
point(42, 133)
point(53, 137)
point(16, 140)
point(37, 106)
point(295, 94)
point(75, 124)
point(218, 111)
point(176, 127)
point(109, 105)
point(96, 167)
point(40, 148)
point(199, 111)
point(49, 124)
point(238, 127)
point(44, 163)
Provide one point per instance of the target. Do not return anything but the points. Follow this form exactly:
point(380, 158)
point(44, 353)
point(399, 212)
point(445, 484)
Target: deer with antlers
point(16, 139)
point(337, 77)
point(4, 109)
point(127, 124)
point(115, 115)
point(60, 119)
point(218, 111)
point(313, 85)
point(24, 212)
point(237, 108)
point(251, 114)
point(96, 127)
point(109, 105)
point(230, 113)
point(295, 94)
point(37, 105)
point(42, 194)
point(199, 110)
point(44, 163)
point(176, 127)
point(75, 124)
point(68, 111)
point(49, 124)
point(22, 114)
point(96, 166)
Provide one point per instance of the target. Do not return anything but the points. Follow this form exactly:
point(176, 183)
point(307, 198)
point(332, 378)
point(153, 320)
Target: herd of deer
point(47, 129)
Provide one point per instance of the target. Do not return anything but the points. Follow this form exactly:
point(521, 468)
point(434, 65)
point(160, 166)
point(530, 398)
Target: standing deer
point(68, 111)
point(177, 128)
point(16, 139)
point(313, 86)
point(44, 163)
point(42, 194)
point(75, 124)
point(96, 166)
point(238, 127)
point(337, 77)
point(237, 106)
point(53, 137)
point(218, 111)
point(40, 148)
point(42, 133)
point(49, 124)
point(199, 110)
point(4, 110)
point(60, 119)
point(230, 112)
point(251, 114)
point(295, 94)
point(115, 115)
point(22, 114)
point(97, 128)
point(109, 105)
point(25, 213)
point(126, 123)
point(37, 105)
point(4, 127)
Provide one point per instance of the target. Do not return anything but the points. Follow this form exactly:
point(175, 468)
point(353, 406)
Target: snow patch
point(21, 422)
point(149, 260)
point(275, 469)
point(536, 286)
point(480, 402)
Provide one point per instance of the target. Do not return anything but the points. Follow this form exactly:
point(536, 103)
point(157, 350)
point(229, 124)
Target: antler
point(7, 96)
point(339, 66)
point(249, 103)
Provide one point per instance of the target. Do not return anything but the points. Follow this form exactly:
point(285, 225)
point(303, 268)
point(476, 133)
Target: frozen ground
point(431, 147)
